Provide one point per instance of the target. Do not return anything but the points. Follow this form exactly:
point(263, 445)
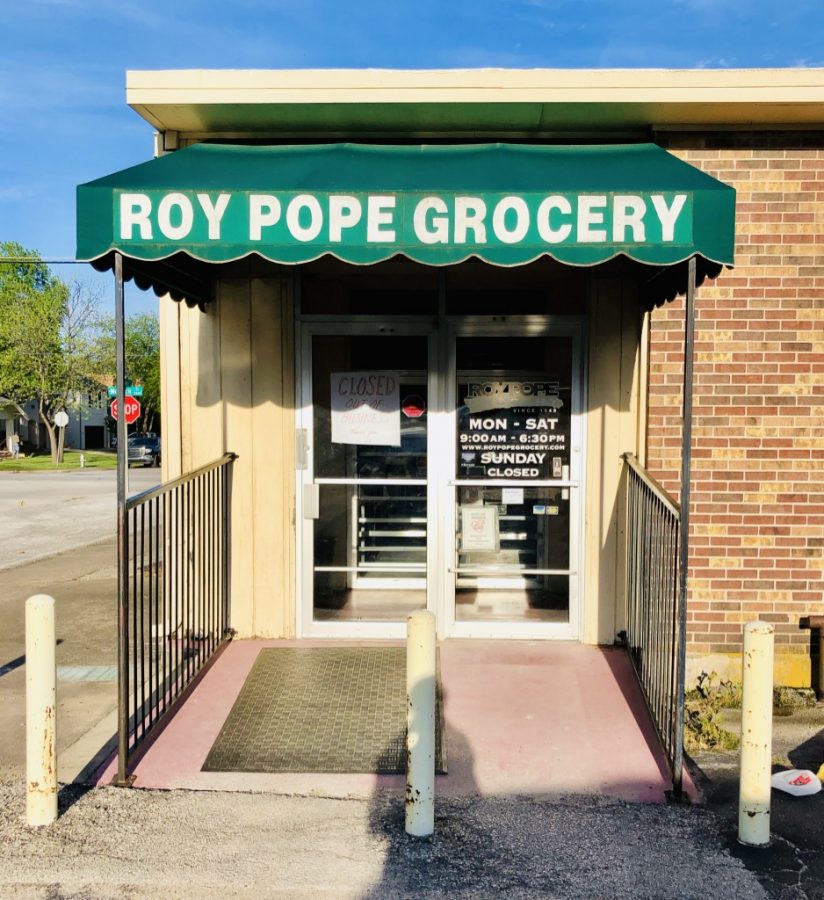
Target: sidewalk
point(84, 585)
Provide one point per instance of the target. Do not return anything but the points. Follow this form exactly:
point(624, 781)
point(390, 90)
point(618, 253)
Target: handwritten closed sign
point(366, 408)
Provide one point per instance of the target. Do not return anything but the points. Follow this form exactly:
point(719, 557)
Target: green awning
point(507, 204)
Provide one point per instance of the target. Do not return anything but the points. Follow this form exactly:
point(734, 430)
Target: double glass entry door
point(439, 470)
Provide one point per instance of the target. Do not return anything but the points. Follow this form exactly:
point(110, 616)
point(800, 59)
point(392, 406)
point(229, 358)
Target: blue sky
point(62, 71)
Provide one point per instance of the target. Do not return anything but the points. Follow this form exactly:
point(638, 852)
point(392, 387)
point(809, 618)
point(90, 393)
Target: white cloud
point(13, 193)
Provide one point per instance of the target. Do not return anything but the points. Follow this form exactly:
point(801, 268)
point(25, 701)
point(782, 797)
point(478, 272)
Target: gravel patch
point(128, 843)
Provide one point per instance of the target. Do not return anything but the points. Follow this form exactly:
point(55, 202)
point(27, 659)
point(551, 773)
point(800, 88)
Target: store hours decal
point(512, 429)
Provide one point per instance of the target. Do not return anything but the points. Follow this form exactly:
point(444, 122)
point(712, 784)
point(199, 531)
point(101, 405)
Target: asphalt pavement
point(45, 513)
point(793, 865)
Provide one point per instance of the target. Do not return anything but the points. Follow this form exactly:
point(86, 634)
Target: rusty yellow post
point(756, 735)
point(420, 722)
point(41, 747)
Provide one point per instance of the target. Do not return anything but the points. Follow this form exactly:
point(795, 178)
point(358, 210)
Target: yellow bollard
point(420, 721)
point(756, 735)
point(41, 747)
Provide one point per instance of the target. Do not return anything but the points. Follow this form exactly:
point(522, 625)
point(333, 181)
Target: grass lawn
point(94, 459)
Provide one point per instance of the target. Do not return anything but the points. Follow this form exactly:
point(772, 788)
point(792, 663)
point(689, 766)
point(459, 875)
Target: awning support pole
point(122, 532)
point(686, 464)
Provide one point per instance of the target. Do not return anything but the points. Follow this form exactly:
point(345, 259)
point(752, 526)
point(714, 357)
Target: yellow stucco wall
point(613, 427)
point(228, 386)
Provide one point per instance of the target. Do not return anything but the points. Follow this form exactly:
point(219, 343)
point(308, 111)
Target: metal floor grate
point(321, 710)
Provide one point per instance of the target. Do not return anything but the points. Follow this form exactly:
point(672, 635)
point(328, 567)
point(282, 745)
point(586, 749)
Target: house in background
point(13, 420)
point(89, 425)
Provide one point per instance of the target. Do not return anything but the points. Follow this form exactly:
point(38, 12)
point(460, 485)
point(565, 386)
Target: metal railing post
point(173, 608)
point(122, 532)
point(684, 560)
point(653, 636)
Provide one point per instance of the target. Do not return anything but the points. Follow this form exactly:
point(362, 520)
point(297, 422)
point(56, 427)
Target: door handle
point(302, 448)
point(311, 501)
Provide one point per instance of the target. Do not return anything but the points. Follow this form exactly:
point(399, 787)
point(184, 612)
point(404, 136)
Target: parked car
point(144, 449)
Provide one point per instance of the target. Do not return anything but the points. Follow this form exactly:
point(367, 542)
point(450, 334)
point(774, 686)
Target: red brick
point(752, 402)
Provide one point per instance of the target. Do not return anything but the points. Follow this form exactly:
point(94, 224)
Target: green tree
point(142, 335)
point(142, 338)
point(46, 330)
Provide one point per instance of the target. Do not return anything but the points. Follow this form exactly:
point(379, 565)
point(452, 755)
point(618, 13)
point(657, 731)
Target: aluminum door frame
point(307, 626)
point(441, 471)
point(512, 326)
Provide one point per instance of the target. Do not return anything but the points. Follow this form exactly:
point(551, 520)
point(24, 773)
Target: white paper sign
point(366, 408)
point(479, 528)
point(512, 496)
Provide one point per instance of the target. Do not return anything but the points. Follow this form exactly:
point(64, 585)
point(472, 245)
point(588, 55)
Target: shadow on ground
point(793, 865)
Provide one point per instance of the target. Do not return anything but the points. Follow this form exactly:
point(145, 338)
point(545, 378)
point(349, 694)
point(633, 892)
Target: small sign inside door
point(479, 528)
point(513, 496)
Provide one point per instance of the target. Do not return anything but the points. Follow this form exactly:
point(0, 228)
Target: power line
point(36, 260)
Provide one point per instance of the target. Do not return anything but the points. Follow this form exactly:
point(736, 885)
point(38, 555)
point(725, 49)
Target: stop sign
point(413, 406)
point(132, 410)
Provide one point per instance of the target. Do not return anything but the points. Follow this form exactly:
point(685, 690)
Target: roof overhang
point(418, 107)
point(472, 104)
point(11, 407)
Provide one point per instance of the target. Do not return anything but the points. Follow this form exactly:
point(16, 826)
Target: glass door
point(365, 503)
point(515, 502)
point(440, 470)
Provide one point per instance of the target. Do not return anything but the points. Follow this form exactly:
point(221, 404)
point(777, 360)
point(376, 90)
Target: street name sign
point(132, 390)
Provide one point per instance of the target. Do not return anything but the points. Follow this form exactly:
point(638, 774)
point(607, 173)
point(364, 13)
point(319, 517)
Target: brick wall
point(758, 459)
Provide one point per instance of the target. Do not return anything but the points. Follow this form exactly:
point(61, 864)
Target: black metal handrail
point(655, 635)
point(175, 602)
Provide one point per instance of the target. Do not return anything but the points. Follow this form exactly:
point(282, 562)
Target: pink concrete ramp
point(522, 718)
